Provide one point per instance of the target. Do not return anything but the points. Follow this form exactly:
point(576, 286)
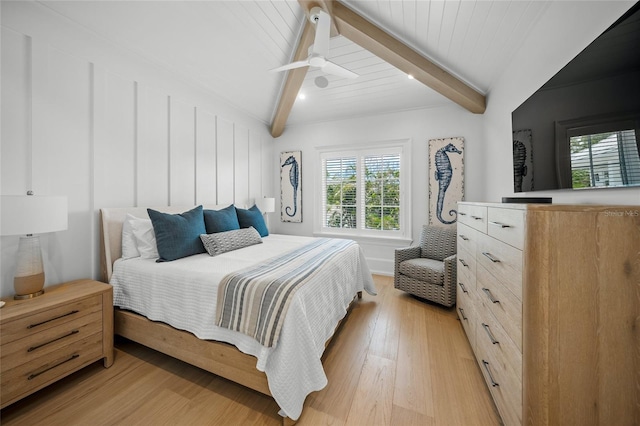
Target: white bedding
point(183, 294)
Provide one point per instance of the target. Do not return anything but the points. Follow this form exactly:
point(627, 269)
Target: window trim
point(360, 150)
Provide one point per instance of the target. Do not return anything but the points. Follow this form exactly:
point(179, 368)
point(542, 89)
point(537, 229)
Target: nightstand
point(47, 338)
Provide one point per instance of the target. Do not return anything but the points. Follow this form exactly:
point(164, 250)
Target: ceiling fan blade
point(323, 33)
point(335, 69)
point(292, 65)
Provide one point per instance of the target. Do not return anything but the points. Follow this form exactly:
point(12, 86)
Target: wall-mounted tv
point(581, 129)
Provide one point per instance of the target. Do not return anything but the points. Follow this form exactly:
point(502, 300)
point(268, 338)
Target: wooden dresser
point(549, 297)
point(44, 339)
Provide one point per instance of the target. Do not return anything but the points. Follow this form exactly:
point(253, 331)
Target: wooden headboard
point(111, 220)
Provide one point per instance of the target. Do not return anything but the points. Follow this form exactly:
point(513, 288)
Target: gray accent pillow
point(222, 242)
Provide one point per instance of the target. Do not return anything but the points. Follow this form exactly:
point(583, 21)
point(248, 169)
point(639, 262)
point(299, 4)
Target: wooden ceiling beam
point(292, 85)
point(382, 44)
point(359, 30)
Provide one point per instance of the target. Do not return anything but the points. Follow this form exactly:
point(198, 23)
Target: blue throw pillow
point(252, 217)
point(178, 235)
point(221, 220)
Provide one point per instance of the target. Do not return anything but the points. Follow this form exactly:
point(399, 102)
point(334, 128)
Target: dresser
point(549, 298)
point(49, 337)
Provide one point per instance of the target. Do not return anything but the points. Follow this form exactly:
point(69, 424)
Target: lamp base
point(28, 287)
point(28, 296)
point(29, 278)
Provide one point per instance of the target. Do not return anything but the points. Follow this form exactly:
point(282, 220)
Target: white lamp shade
point(32, 214)
point(266, 205)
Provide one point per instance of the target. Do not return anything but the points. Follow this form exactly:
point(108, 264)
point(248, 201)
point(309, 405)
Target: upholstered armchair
point(429, 270)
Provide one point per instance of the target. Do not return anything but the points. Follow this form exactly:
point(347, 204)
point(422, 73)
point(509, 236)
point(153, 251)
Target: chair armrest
point(407, 253)
point(450, 269)
point(403, 254)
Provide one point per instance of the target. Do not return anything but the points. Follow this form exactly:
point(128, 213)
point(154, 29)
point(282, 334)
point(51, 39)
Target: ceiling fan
point(318, 50)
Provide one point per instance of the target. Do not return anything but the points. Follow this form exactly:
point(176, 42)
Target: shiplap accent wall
point(105, 136)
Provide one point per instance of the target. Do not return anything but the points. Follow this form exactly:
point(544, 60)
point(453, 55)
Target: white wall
point(561, 33)
point(419, 126)
point(92, 121)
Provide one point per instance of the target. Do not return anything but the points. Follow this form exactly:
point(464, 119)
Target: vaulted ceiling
point(228, 48)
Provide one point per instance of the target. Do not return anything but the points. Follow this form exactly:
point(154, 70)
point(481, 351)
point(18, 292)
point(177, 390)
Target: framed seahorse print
point(446, 180)
point(291, 186)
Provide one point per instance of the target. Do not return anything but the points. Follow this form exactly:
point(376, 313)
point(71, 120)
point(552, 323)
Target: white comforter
point(183, 294)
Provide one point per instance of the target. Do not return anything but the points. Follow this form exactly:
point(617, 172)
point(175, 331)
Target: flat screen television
point(581, 129)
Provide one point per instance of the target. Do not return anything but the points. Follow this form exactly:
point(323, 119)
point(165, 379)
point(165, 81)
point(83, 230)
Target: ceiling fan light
point(321, 82)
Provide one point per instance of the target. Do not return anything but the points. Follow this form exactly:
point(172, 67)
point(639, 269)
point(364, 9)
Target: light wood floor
point(396, 360)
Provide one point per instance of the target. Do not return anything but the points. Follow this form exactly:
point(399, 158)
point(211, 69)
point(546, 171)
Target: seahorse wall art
point(444, 175)
point(290, 187)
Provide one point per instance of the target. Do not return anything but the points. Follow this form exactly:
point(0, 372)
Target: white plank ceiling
point(228, 48)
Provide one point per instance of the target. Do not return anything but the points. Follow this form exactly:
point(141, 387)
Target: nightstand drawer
point(32, 324)
point(39, 372)
point(48, 341)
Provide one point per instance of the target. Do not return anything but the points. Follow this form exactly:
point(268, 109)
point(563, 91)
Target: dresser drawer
point(467, 285)
point(504, 306)
point(506, 225)
point(35, 323)
point(492, 335)
point(466, 263)
point(49, 341)
point(473, 216)
point(468, 318)
point(41, 371)
point(503, 261)
point(505, 388)
point(467, 238)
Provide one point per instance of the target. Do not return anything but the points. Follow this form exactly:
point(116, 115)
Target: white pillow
point(129, 245)
point(145, 238)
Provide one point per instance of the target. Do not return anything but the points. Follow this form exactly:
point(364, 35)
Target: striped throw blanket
point(254, 300)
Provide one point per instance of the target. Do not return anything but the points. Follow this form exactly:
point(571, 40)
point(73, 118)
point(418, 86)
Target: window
point(598, 152)
point(604, 159)
point(362, 191)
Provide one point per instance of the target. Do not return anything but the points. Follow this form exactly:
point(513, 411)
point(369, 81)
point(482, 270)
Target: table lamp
point(266, 205)
point(27, 215)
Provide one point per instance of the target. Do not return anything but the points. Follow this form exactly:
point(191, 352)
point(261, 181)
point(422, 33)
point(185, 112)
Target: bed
point(171, 307)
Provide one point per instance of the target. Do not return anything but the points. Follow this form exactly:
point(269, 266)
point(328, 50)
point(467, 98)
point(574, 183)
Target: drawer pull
point(463, 263)
point(34, 375)
point(464, 238)
point(486, 367)
point(33, 348)
point(53, 319)
point(490, 257)
point(489, 295)
point(490, 334)
point(462, 213)
point(463, 288)
point(477, 217)
point(462, 313)
point(501, 225)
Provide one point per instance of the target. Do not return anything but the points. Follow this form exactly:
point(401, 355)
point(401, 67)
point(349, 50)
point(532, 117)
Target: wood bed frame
point(219, 358)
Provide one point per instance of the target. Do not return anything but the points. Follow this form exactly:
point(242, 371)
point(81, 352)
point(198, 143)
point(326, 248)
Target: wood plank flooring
point(396, 360)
